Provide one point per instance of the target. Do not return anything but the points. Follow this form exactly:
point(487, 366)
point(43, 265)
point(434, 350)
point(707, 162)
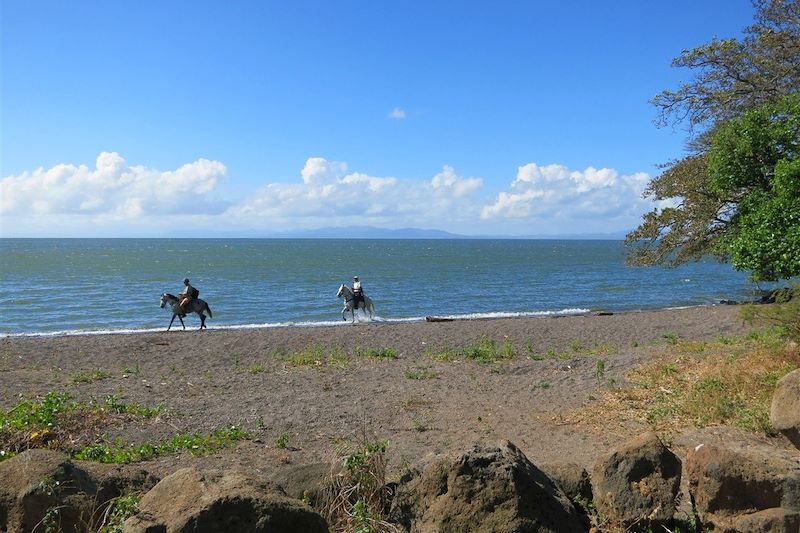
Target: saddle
point(358, 296)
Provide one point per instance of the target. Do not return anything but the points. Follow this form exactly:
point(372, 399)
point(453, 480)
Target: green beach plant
point(90, 376)
point(421, 372)
point(357, 496)
point(600, 370)
point(55, 421)
point(115, 513)
point(282, 441)
point(257, 368)
point(195, 444)
point(376, 353)
point(483, 350)
point(317, 355)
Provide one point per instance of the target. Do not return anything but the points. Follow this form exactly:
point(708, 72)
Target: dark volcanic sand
point(208, 380)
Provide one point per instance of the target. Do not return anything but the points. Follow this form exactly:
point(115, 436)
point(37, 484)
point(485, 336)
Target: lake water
point(50, 286)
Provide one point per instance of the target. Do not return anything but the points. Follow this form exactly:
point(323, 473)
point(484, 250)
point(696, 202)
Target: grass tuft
point(484, 350)
point(318, 355)
point(376, 353)
point(90, 376)
point(357, 496)
point(421, 372)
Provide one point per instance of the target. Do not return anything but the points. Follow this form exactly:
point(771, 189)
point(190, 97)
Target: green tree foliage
point(720, 199)
point(754, 161)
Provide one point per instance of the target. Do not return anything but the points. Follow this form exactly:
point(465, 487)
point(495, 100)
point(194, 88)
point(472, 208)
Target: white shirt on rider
point(356, 286)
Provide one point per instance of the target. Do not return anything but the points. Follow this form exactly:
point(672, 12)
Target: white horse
point(349, 301)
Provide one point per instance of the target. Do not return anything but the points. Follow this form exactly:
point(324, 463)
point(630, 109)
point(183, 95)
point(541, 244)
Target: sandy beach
point(251, 378)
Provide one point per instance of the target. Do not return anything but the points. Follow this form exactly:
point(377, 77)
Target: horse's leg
point(171, 321)
point(202, 320)
point(344, 310)
point(182, 324)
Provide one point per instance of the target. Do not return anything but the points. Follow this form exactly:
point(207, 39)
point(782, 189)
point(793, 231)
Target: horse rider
point(188, 294)
point(358, 292)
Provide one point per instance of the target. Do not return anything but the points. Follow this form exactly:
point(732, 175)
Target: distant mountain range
point(371, 232)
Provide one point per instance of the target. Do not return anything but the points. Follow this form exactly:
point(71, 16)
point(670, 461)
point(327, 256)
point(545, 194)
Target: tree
point(701, 211)
point(755, 161)
point(734, 76)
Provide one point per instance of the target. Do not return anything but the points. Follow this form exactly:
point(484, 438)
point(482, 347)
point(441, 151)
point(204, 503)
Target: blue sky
point(248, 118)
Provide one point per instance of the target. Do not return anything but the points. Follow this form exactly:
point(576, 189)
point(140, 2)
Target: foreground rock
point(485, 489)
point(784, 414)
point(572, 479)
point(193, 501)
point(745, 486)
point(636, 484)
point(306, 482)
point(44, 490)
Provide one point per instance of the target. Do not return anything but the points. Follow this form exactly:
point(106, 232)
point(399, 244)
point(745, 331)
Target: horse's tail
point(209, 311)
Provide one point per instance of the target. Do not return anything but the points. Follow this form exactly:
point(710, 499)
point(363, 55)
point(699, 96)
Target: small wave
point(312, 323)
point(516, 314)
point(76, 332)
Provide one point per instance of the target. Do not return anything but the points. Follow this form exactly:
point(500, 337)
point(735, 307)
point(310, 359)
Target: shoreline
point(468, 317)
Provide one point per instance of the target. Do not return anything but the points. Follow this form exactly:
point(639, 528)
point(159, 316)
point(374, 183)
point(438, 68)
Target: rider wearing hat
point(187, 295)
point(358, 292)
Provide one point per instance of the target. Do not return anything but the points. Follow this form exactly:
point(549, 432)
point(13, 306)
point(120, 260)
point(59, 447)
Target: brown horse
point(195, 306)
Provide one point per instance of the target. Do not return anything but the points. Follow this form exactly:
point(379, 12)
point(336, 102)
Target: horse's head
point(340, 292)
point(167, 298)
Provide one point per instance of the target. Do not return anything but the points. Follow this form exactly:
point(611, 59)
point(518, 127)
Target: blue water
point(97, 285)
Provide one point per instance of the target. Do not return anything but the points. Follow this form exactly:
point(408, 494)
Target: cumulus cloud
point(557, 191)
point(115, 198)
point(113, 189)
point(329, 194)
point(448, 182)
point(397, 113)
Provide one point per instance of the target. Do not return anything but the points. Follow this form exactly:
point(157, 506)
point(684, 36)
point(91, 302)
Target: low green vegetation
point(376, 353)
point(421, 425)
point(90, 376)
point(318, 355)
point(195, 444)
point(134, 370)
point(282, 441)
point(784, 314)
point(357, 497)
point(730, 382)
point(600, 370)
point(54, 421)
point(257, 368)
point(484, 350)
point(671, 338)
point(118, 510)
point(421, 372)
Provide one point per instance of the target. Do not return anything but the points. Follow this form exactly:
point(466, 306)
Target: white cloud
point(397, 113)
point(447, 180)
point(555, 194)
point(112, 189)
point(115, 198)
point(329, 195)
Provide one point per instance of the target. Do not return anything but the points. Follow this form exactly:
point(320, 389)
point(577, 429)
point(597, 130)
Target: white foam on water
point(311, 323)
